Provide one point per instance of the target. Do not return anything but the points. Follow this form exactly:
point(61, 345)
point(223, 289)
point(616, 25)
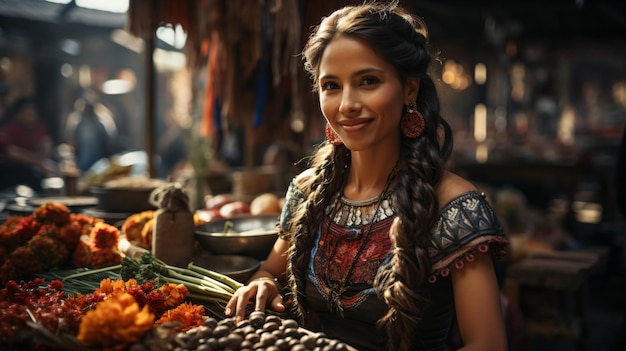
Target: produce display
point(52, 237)
point(259, 332)
point(223, 206)
point(64, 284)
point(143, 304)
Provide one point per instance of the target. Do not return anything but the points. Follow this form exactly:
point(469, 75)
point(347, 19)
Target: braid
point(424, 162)
point(326, 181)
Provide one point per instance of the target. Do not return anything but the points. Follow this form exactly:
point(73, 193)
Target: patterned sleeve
point(466, 224)
point(293, 198)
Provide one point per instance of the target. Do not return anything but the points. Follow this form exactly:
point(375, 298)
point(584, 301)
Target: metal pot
point(123, 199)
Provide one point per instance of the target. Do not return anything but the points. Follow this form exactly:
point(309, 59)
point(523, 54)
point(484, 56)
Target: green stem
point(215, 275)
point(200, 289)
point(199, 281)
point(92, 271)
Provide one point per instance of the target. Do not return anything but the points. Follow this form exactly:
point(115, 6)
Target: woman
point(25, 147)
point(377, 240)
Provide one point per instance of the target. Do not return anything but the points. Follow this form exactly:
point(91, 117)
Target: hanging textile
point(208, 113)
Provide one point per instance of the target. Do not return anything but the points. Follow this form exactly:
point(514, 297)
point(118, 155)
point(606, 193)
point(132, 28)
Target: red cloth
point(15, 134)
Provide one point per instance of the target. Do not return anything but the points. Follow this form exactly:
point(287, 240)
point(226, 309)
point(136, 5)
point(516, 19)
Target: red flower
point(17, 231)
point(81, 257)
point(25, 260)
point(70, 234)
point(51, 212)
point(50, 252)
point(105, 257)
point(104, 236)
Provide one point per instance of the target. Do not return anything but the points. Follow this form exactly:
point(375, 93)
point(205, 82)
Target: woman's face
point(361, 95)
point(27, 116)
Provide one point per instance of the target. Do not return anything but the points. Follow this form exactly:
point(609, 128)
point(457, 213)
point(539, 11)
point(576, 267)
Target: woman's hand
point(265, 289)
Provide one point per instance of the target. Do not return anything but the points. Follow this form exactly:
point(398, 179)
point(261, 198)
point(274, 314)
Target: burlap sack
point(173, 235)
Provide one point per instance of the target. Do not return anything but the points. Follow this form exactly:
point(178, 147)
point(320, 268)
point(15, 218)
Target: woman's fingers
point(261, 298)
point(237, 303)
point(232, 304)
point(277, 304)
point(245, 295)
point(261, 293)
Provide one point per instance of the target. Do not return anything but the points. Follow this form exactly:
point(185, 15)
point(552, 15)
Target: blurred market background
point(213, 92)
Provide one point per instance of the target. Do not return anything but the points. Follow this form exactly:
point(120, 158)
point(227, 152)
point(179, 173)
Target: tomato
point(234, 208)
point(216, 201)
point(207, 215)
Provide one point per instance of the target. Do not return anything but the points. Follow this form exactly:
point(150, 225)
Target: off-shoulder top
point(466, 224)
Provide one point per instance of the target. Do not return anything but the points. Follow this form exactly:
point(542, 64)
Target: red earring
point(331, 136)
point(412, 122)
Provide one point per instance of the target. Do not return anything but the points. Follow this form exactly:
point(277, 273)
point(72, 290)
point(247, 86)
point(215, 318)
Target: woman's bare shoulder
point(451, 187)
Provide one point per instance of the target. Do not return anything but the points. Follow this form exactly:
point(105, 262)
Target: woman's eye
point(370, 80)
point(329, 86)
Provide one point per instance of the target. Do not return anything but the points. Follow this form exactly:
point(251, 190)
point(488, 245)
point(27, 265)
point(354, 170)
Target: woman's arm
point(478, 308)
point(476, 291)
point(263, 286)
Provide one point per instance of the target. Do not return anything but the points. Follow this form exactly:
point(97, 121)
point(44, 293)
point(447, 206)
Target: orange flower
point(111, 287)
point(85, 222)
point(104, 235)
point(131, 283)
point(174, 293)
point(115, 323)
point(188, 314)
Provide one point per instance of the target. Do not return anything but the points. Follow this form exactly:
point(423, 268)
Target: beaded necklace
point(339, 288)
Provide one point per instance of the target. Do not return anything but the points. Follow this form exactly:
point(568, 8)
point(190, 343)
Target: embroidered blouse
point(466, 224)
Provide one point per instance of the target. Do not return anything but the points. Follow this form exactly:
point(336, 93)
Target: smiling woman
point(378, 242)
point(362, 97)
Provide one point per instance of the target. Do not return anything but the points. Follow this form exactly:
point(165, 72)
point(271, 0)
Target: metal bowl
point(250, 236)
point(123, 199)
point(237, 267)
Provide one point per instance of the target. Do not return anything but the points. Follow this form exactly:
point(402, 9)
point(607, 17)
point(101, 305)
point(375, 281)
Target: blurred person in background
point(92, 140)
point(25, 147)
point(91, 132)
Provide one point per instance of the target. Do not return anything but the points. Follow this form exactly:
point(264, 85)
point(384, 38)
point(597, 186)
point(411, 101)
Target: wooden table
point(563, 271)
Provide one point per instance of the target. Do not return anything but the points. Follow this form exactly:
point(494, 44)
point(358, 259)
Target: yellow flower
point(115, 323)
point(174, 293)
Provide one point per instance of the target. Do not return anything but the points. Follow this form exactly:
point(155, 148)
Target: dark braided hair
point(402, 40)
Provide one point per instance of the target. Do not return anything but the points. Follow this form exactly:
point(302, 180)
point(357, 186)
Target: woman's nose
point(350, 102)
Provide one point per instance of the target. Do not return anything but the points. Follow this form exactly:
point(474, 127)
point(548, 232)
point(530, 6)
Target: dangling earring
point(412, 122)
point(331, 136)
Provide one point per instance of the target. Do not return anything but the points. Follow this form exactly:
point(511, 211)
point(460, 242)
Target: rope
point(170, 196)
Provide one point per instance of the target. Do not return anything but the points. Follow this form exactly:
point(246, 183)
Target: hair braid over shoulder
point(319, 189)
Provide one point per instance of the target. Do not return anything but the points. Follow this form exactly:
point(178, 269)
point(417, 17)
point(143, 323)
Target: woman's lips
point(355, 126)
